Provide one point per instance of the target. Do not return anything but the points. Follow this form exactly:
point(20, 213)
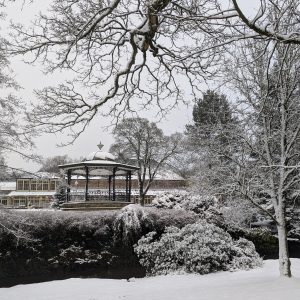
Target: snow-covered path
point(259, 284)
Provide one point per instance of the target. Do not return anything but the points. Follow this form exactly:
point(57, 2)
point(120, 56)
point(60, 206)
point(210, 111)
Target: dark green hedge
point(62, 244)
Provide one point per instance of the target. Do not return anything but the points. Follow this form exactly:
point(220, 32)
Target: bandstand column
point(129, 186)
point(114, 184)
point(69, 176)
point(126, 186)
point(86, 183)
point(109, 187)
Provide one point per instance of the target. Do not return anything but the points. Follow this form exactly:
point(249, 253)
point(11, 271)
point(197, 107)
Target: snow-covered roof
point(168, 175)
point(164, 175)
point(33, 193)
point(100, 155)
point(41, 175)
point(8, 186)
point(100, 167)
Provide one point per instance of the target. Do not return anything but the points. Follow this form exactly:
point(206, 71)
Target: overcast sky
point(31, 77)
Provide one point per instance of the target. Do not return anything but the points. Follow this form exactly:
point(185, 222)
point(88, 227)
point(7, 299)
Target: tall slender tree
point(271, 113)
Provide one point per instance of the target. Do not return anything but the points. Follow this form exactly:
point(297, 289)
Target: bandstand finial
point(100, 145)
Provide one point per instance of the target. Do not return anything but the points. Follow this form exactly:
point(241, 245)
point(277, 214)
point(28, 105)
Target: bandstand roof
point(99, 164)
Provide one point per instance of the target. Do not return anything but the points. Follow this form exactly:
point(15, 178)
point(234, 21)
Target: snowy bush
point(196, 248)
point(184, 200)
point(206, 207)
point(128, 224)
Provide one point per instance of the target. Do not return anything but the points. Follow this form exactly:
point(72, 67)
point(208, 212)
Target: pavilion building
point(98, 165)
point(32, 192)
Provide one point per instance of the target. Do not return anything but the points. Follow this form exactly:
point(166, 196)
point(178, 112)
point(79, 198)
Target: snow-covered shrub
point(128, 225)
point(205, 206)
point(245, 256)
point(163, 218)
point(196, 248)
point(184, 200)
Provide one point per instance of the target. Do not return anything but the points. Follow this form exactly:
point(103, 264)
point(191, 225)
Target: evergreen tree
point(60, 196)
point(213, 138)
point(211, 116)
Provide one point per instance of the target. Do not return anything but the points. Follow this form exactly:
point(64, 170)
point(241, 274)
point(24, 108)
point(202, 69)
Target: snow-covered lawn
point(258, 284)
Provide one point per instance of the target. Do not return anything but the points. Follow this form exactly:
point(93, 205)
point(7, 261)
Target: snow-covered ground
point(258, 284)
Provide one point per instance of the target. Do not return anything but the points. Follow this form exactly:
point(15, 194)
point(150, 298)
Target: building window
point(34, 202)
point(53, 185)
point(20, 185)
point(4, 201)
point(20, 201)
point(23, 185)
point(39, 186)
point(45, 185)
point(33, 185)
point(26, 185)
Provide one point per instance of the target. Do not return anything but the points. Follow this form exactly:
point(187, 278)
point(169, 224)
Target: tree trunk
point(142, 195)
point(284, 259)
point(142, 199)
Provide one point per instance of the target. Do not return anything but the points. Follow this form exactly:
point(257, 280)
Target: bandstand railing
point(97, 195)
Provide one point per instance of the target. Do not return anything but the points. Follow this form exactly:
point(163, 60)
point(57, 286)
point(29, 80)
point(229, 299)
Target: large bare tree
point(15, 136)
point(139, 52)
point(140, 142)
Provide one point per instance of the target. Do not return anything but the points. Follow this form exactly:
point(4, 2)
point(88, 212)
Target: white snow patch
point(8, 186)
point(100, 155)
point(258, 284)
point(31, 193)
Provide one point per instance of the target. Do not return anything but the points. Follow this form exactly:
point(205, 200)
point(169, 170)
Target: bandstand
point(98, 165)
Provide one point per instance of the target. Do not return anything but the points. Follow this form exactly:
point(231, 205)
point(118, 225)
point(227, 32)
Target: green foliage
point(214, 137)
point(60, 196)
point(212, 109)
point(265, 243)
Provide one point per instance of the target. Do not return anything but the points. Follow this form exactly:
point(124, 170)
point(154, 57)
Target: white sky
point(31, 77)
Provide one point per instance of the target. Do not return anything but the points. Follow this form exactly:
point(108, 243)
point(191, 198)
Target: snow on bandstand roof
point(100, 163)
point(100, 155)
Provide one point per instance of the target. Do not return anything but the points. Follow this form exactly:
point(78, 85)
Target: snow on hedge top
point(100, 155)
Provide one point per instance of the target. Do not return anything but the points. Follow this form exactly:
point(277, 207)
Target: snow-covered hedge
point(133, 221)
point(196, 248)
point(34, 243)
